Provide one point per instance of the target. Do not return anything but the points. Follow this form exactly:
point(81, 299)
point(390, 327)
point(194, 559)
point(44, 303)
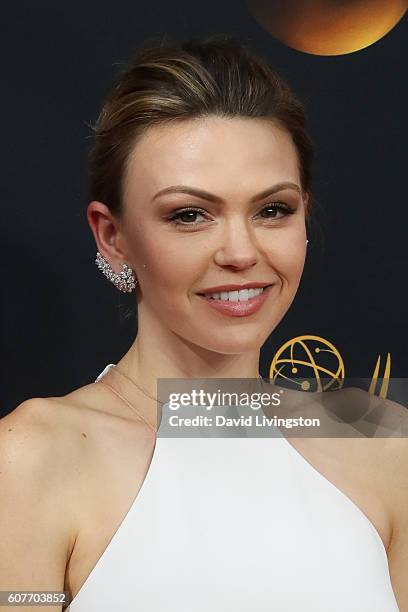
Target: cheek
point(287, 256)
point(170, 265)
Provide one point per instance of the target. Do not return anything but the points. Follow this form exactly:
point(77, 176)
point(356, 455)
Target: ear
point(105, 229)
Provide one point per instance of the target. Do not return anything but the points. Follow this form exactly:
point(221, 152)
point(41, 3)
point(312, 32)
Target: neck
point(150, 359)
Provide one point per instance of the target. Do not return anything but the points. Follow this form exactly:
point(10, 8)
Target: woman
point(200, 189)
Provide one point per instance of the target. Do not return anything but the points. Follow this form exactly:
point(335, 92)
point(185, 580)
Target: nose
point(238, 248)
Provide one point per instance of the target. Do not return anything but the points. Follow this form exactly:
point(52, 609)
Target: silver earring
point(124, 280)
point(307, 241)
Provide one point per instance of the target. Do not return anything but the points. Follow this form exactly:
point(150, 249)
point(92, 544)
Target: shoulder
point(31, 434)
point(46, 446)
point(39, 449)
point(389, 467)
point(395, 469)
point(394, 462)
point(61, 443)
point(38, 430)
point(380, 428)
point(61, 433)
point(38, 522)
point(54, 450)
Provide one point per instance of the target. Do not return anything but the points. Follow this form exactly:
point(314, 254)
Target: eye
point(277, 207)
point(188, 214)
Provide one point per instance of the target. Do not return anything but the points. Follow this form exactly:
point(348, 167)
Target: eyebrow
point(205, 195)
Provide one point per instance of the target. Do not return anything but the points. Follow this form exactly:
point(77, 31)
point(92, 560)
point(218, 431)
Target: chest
point(227, 506)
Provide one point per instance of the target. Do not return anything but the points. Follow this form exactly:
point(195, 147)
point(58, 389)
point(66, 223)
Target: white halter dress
point(238, 525)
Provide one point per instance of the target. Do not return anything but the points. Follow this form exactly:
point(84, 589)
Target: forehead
point(229, 156)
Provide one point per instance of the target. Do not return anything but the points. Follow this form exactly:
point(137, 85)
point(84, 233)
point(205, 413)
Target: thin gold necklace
point(138, 386)
point(145, 392)
point(126, 401)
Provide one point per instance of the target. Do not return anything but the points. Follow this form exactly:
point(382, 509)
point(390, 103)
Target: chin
point(234, 341)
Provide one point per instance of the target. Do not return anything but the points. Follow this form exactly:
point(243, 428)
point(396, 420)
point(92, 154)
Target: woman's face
point(235, 235)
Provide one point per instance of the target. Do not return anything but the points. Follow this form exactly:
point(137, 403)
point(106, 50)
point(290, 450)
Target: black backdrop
point(61, 321)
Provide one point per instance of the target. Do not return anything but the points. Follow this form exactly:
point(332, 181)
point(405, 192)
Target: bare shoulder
point(376, 432)
point(61, 435)
point(38, 441)
point(358, 447)
point(30, 436)
point(388, 452)
point(50, 450)
point(39, 452)
point(38, 529)
point(66, 464)
point(394, 458)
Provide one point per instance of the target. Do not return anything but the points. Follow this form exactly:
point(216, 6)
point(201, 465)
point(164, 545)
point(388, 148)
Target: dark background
point(61, 320)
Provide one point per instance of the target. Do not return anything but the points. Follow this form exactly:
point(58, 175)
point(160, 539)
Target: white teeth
point(235, 296)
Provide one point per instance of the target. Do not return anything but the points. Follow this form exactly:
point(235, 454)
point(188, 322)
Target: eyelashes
point(276, 207)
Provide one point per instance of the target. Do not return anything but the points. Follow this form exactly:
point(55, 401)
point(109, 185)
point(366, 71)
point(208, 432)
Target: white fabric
point(234, 525)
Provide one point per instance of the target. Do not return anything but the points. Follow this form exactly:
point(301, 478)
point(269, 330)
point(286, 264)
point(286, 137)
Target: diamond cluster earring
point(124, 280)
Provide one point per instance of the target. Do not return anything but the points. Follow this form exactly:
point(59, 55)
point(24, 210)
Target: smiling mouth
point(242, 295)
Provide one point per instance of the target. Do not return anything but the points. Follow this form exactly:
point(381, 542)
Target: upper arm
point(398, 498)
point(35, 527)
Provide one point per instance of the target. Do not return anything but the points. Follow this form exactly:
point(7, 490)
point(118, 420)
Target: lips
point(233, 287)
point(238, 309)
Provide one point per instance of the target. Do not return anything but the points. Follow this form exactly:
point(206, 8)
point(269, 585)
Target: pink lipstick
point(237, 308)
